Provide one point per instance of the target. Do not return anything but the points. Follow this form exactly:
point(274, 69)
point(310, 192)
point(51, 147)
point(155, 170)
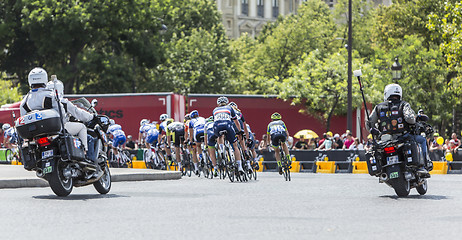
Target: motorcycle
point(396, 161)
point(58, 157)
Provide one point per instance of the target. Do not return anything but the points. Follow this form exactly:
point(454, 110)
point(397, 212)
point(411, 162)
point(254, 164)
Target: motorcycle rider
point(72, 127)
point(395, 116)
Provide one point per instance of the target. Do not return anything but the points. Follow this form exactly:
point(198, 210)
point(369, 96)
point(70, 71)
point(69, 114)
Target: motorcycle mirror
point(94, 102)
point(357, 73)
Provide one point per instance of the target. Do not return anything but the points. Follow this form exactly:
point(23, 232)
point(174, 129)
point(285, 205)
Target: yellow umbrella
point(306, 133)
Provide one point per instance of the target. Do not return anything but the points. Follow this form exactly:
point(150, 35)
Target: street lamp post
point(350, 45)
point(396, 70)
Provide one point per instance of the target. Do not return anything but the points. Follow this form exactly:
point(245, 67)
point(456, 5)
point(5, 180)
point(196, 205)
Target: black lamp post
point(396, 70)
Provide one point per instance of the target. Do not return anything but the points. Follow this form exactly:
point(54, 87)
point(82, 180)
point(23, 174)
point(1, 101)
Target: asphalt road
point(311, 206)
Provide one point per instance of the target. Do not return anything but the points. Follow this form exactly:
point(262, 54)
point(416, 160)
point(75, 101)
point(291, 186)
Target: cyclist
point(224, 116)
point(251, 146)
point(241, 120)
point(196, 136)
point(176, 133)
point(277, 131)
point(118, 137)
point(144, 128)
point(151, 138)
point(165, 120)
point(210, 141)
point(10, 137)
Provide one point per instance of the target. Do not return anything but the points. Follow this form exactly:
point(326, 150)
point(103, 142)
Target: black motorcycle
point(396, 161)
point(58, 157)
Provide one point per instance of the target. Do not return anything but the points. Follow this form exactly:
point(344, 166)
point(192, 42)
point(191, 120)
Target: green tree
point(198, 63)
point(282, 45)
point(322, 82)
point(8, 93)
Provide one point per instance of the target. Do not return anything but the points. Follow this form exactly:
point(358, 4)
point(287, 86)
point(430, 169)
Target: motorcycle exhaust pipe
point(39, 173)
point(383, 177)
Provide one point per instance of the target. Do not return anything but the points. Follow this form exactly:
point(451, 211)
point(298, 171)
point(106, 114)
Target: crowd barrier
point(351, 161)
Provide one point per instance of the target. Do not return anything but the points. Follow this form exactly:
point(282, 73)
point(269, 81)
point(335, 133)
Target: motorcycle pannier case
point(27, 158)
point(413, 154)
point(74, 146)
point(38, 123)
point(374, 163)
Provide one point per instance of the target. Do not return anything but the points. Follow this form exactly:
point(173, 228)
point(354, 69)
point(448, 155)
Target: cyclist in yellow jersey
point(175, 133)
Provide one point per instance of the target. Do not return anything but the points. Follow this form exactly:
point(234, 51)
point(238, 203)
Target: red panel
point(258, 109)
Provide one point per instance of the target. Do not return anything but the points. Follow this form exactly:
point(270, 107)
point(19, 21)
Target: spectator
point(324, 136)
point(338, 143)
point(434, 146)
point(130, 143)
point(301, 144)
point(349, 140)
point(327, 143)
point(312, 144)
point(456, 141)
point(263, 146)
point(452, 148)
point(290, 142)
point(356, 145)
point(369, 143)
point(446, 145)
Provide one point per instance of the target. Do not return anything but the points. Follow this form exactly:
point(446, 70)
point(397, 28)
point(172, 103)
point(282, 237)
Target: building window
point(275, 8)
point(330, 3)
point(260, 8)
point(245, 7)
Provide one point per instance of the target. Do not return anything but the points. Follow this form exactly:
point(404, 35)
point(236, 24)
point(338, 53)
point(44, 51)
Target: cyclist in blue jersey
point(277, 131)
point(196, 136)
point(144, 127)
point(251, 146)
point(10, 137)
point(210, 140)
point(241, 120)
point(224, 116)
point(118, 137)
point(164, 121)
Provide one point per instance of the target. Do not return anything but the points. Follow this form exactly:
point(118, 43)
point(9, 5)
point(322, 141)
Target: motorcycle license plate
point(392, 160)
point(47, 154)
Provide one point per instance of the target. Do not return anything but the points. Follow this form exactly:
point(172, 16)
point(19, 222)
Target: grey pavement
point(311, 206)
point(15, 176)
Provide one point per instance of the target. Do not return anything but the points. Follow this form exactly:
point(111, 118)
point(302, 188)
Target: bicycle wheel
point(190, 167)
point(286, 171)
point(9, 156)
point(126, 159)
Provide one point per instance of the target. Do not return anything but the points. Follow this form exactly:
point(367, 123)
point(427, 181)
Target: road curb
point(17, 177)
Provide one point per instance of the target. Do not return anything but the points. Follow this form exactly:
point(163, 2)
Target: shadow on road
point(424, 197)
point(80, 197)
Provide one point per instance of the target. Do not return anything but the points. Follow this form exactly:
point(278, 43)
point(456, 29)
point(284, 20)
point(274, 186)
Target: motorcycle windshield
point(82, 102)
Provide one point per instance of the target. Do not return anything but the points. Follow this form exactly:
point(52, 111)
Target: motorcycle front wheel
point(103, 185)
point(60, 185)
point(422, 189)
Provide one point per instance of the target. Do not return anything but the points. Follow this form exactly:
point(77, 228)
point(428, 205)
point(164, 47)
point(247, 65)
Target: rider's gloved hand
point(374, 131)
point(422, 118)
point(241, 132)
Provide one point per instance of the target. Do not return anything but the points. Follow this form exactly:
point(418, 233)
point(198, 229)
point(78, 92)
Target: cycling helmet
point(222, 101)
point(5, 126)
point(233, 104)
point(37, 76)
point(163, 117)
point(276, 116)
point(194, 114)
point(111, 121)
point(210, 119)
point(187, 117)
point(144, 122)
point(392, 90)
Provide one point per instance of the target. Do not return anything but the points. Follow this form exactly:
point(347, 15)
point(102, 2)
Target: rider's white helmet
point(163, 117)
point(37, 76)
point(6, 126)
point(144, 122)
point(392, 90)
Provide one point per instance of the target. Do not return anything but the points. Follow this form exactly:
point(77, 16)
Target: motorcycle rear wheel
point(59, 184)
point(402, 186)
point(103, 185)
